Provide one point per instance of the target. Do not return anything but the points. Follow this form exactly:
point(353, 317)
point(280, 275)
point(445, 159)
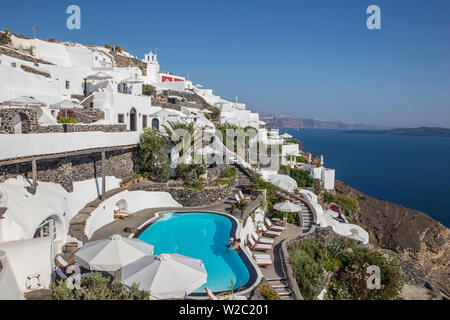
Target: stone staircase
point(307, 218)
point(78, 222)
point(281, 287)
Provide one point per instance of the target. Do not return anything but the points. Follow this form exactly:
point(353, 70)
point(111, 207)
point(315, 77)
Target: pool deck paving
point(273, 275)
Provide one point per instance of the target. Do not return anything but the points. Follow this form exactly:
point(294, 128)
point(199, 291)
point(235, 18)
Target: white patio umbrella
point(286, 136)
point(66, 104)
point(133, 80)
point(99, 76)
point(112, 254)
point(284, 182)
point(167, 276)
point(25, 101)
point(287, 206)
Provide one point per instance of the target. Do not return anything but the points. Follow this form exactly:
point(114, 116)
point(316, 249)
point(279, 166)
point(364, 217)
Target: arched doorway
point(21, 123)
point(155, 123)
point(17, 123)
point(133, 120)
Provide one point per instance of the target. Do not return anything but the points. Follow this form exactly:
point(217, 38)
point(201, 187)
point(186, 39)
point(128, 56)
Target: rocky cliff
point(415, 236)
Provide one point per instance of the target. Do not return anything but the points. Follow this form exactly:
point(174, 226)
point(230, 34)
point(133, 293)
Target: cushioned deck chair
point(273, 227)
point(258, 246)
point(244, 197)
point(269, 233)
point(262, 240)
point(62, 263)
point(223, 296)
point(262, 260)
point(60, 274)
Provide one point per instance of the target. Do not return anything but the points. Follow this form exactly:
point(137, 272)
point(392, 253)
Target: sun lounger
point(60, 274)
point(273, 227)
point(121, 214)
point(258, 246)
point(263, 260)
point(261, 256)
point(244, 198)
point(269, 233)
point(223, 296)
point(262, 239)
point(237, 198)
point(63, 264)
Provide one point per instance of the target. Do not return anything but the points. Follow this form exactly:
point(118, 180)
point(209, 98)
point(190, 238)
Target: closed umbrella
point(284, 182)
point(25, 102)
point(287, 206)
point(112, 254)
point(66, 104)
point(166, 276)
point(99, 76)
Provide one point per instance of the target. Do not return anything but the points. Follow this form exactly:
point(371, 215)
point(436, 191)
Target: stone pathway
point(78, 222)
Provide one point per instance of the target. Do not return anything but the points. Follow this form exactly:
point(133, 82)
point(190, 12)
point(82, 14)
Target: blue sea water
point(411, 171)
point(201, 236)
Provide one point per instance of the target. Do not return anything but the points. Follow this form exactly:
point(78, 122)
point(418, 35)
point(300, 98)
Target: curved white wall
point(136, 201)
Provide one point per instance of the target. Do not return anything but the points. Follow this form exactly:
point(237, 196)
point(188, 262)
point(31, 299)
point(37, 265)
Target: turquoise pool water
point(201, 236)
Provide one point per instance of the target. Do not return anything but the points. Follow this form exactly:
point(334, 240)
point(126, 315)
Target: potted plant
point(138, 178)
point(122, 184)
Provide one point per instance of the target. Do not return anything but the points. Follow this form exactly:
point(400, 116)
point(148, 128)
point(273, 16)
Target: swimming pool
point(201, 236)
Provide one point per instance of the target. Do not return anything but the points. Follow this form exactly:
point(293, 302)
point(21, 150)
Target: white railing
point(26, 145)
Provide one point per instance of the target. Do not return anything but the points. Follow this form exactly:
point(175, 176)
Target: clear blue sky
point(310, 58)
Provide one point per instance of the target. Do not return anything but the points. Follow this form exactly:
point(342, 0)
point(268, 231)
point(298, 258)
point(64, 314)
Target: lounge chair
point(262, 239)
point(273, 227)
point(237, 198)
point(223, 296)
point(122, 214)
point(63, 264)
point(269, 233)
point(263, 260)
point(244, 198)
point(258, 246)
point(60, 274)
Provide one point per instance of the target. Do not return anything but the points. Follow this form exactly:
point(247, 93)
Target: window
point(144, 122)
point(121, 118)
point(96, 58)
point(67, 85)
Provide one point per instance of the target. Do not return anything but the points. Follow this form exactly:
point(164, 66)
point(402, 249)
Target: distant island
point(422, 131)
point(292, 122)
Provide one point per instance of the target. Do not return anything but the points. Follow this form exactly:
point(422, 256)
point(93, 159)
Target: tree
point(148, 90)
point(152, 158)
point(5, 37)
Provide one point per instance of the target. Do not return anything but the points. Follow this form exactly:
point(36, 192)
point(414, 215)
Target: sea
point(408, 170)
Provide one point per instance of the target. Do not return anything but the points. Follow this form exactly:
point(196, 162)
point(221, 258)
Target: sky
point(311, 59)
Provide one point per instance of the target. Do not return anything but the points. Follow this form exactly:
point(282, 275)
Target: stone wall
point(88, 115)
point(28, 118)
point(77, 127)
point(35, 71)
point(188, 197)
point(67, 170)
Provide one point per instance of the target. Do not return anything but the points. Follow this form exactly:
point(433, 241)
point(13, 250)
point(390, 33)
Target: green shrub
point(195, 186)
point(189, 172)
point(346, 203)
point(350, 282)
point(96, 287)
point(241, 205)
point(308, 260)
point(268, 292)
point(5, 37)
point(302, 178)
point(148, 90)
point(228, 173)
point(223, 182)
